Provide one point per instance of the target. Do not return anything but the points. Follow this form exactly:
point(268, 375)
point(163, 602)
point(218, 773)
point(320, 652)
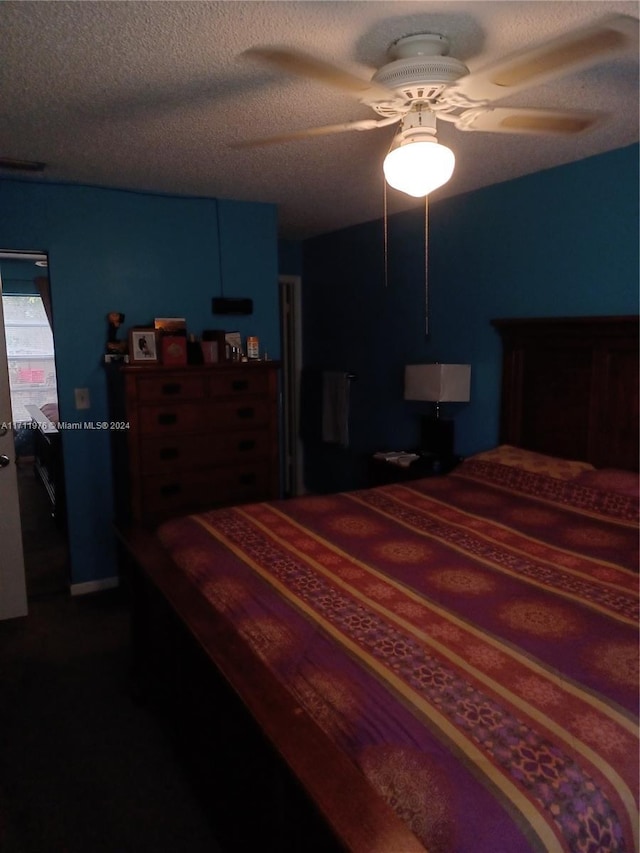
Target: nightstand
point(380, 471)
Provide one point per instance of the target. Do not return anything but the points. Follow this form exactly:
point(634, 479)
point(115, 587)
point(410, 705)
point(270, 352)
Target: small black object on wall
point(231, 305)
point(227, 304)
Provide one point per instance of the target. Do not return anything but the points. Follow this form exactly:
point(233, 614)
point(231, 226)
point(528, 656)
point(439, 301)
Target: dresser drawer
point(166, 493)
point(242, 382)
point(177, 418)
point(158, 388)
point(247, 412)
point(174, 452)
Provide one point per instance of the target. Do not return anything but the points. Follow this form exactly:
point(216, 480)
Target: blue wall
point(563, 242)
point(146, 256)
point(290, 257)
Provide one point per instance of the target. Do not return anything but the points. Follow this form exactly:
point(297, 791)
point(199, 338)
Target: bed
point(448, 664)
point(47, 450)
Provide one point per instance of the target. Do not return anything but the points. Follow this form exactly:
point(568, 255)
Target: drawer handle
point(248, 479)
point(246, 412)
point(167, 418)
point(171, 388)
point(170, 489)
point(247, 444)
point(239, 384)
point(169, 453)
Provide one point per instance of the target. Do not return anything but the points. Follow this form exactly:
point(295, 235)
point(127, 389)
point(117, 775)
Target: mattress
point(470, 642)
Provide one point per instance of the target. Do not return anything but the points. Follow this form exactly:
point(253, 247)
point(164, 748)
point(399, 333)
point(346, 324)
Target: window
point(30, 354)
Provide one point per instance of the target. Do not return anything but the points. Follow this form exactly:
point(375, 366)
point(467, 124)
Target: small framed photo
point(234, 339)
point(143, 346)
point(233, 345)
point(171, 325)
point(173, 349)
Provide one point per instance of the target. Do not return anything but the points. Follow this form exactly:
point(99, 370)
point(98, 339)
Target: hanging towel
point(335, 407)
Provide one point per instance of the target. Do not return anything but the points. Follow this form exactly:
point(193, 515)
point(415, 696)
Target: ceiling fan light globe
point(418, 168)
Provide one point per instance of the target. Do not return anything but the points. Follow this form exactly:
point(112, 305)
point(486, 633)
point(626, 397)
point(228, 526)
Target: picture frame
point(213, 346)
point(234, 341)
point(170, 325)
point(173, 349)
point(143, 346)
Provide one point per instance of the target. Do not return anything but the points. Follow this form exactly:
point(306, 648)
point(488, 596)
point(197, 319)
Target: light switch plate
point(82, 398)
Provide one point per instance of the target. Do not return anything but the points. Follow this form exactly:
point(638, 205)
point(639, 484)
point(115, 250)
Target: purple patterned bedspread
point(471, 641)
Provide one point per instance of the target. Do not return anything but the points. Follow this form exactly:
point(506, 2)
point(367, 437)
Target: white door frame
point(291, 330)
point(13, 587)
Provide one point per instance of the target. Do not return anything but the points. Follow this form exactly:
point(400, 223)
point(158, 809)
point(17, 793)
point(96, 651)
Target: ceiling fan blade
point(609, 38)
point(514, 120)
point(305, 65)
point(325, 130)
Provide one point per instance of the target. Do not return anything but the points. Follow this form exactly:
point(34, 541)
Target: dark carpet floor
point(87, 767)
point(83, 767)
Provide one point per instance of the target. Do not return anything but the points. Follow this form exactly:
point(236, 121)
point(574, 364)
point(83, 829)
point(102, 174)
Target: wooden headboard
point(570, 388)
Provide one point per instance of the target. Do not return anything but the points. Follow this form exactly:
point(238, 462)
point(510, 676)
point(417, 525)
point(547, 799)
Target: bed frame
point(570, 388)
point(567, 385)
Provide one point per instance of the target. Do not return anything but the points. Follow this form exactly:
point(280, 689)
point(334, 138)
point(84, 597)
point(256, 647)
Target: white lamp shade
point(417, 168)
point(439, 383)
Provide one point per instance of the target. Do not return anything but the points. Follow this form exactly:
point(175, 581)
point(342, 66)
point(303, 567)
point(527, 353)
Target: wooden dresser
point(198, 437)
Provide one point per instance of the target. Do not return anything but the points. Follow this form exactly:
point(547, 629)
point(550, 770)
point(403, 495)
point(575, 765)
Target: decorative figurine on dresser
point(115, 347)
point(199, 436)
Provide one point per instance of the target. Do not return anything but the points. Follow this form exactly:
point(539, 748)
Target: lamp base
point(437, 436)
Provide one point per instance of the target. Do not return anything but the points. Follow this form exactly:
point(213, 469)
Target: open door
point(35, 444)
point(291, 333)
point(13, 591)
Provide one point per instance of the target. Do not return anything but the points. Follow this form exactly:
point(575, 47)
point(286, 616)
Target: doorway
point(291, 334)
point(37, 444)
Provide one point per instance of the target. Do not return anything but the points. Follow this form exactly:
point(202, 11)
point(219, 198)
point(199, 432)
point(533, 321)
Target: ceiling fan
point(421, 84)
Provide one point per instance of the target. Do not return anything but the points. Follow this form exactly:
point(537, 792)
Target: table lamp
point(437, 383)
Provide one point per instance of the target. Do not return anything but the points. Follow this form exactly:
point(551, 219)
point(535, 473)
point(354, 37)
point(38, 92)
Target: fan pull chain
point(220, 266)
point(426, 264)
point(386, 233)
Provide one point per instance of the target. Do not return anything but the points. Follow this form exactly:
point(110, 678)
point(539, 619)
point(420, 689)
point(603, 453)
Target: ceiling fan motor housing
point(420, 72)
point(422, 78)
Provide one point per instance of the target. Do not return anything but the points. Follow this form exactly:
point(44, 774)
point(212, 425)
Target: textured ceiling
point(148, 95)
